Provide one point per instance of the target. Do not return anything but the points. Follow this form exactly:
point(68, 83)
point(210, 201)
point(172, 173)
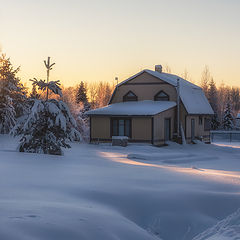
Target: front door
point(167, 129)
point(192, 129)
point(121, 127)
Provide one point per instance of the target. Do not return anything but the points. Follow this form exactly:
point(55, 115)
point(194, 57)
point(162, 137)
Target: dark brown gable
point(142, 79)
point(145, 79)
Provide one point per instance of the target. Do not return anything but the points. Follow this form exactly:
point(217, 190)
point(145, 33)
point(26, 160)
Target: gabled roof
point(135, 108)
point(191, 95)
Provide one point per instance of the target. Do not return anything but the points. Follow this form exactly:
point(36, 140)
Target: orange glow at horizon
point(98, 40)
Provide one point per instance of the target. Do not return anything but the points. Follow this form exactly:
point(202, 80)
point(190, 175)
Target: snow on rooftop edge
point(138, 108)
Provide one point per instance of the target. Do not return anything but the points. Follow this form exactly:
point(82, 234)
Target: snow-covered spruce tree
point(12, 85)
point(213, 100)
point(213, 95)
point(84, 105)
point(215, 123)
point(81, 95)
point(49, 125)
point(7, 86)
point(227, 122)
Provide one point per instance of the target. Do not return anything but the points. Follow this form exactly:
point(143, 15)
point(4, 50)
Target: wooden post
point(178, 109)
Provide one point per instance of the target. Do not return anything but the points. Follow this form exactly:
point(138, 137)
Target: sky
point(97, 40)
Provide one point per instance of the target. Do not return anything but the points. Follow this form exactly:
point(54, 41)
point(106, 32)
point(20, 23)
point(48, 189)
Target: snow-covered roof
point(191, 95)
point(138, 108)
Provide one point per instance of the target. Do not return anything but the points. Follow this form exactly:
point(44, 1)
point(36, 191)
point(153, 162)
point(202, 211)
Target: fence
point(225, 136)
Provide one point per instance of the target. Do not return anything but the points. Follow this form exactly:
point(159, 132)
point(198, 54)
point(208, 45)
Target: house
point(153, 107)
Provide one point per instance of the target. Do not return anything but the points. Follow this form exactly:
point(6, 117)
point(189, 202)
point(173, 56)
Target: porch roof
point(138, 108)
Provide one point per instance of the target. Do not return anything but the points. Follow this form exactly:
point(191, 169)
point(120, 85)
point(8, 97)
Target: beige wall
point(142, 128)
point(199, 129)
point(159, 125)
point(145, 92)
point(100, 127)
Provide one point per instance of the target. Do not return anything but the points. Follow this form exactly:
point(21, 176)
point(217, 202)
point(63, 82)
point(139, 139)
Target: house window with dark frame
point(121, 127)
point(130, 96)
point(161, 96)
point(200, 120)
point(207, 124)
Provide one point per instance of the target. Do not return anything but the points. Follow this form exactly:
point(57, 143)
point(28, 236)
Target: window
point(121, 127)
point(161, 96)
point(130, 96)
point(207, 124)
point(200, 120)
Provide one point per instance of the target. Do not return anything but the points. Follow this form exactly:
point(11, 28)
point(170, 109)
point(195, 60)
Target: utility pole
point(178, 108)
point(49, 67)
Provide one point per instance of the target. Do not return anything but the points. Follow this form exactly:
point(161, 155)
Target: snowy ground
point(103, 192)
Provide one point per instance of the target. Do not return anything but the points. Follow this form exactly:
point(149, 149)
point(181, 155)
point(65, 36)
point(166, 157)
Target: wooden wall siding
point(100, 127)
point(199, 129)
point(145, 78)
point(159, 125)
point(142, 128)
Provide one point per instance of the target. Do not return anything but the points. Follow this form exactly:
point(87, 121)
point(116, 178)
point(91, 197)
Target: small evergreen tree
point(213, 95)
point(49, 124)
point(81, 96)
point(34, 94)
point(215, 123)
point(81, 117)
point(228, 118)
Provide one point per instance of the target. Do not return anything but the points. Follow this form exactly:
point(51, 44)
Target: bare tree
point(187, 76)
point(205, 79)
point(167, 68)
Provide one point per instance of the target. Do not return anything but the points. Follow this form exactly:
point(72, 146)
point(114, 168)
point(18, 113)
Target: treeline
point(97, 94)
point(225, 101)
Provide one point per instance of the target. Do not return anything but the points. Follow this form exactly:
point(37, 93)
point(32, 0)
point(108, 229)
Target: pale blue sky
point(99, 39)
